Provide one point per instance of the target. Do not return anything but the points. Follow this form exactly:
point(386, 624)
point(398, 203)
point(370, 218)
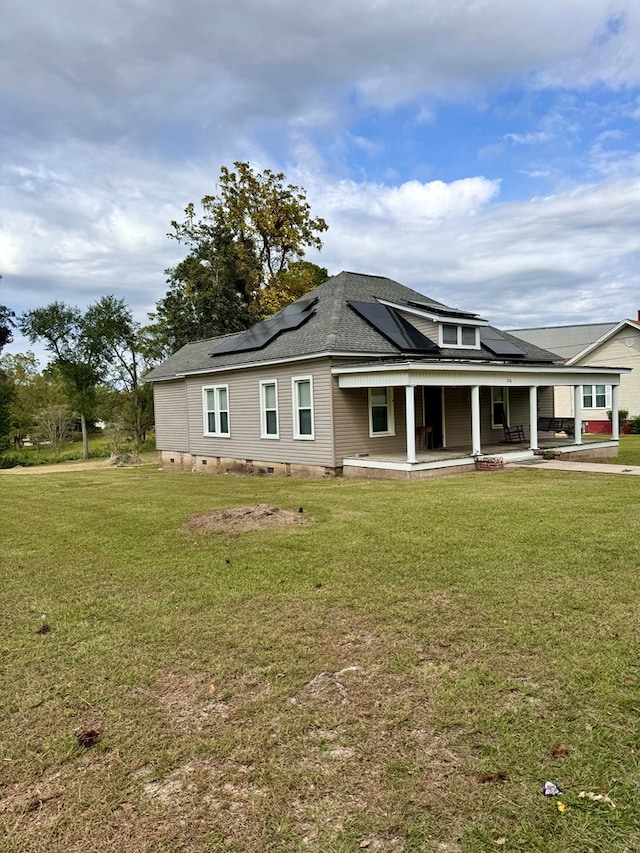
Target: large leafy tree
point(206, 297)
point(244, 257)
point(121, 343)
point(32, 392)
point(6, 398)
point(6, 325)
point(6, 386)
point(76, 342)
point(297, 279)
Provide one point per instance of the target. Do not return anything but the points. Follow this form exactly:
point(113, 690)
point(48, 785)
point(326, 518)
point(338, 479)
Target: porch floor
point(450, 457)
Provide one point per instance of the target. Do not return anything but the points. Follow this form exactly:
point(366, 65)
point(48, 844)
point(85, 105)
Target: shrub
point(623, 415)
point(634, 425)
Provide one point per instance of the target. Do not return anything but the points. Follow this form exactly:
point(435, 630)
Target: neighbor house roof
point(566, 341)
point(328, 324)
point(574, 342)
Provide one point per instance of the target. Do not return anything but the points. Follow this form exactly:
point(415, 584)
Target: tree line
point(244, 261)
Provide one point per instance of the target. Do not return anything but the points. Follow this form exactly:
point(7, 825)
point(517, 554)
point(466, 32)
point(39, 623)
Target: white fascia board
point(275, 361)
point(438, 373)
point(433, 315)
point(601, 340)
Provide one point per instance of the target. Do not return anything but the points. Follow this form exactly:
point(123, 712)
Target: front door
point(432, 412)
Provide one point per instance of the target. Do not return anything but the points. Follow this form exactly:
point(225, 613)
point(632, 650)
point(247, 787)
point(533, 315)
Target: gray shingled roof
point(334, 328)
point(565, 341)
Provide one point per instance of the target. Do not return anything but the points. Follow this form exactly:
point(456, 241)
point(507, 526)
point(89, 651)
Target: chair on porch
point(425, 437)
point(513, 434)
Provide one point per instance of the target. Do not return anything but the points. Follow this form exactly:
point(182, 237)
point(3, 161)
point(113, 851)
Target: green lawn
point(320, 686)
point(629, 451)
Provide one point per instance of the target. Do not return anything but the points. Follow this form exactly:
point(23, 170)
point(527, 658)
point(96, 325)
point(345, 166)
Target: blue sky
point(484, 152)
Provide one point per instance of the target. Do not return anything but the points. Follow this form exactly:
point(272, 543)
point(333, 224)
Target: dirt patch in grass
point(190, 702)
point(240, 519)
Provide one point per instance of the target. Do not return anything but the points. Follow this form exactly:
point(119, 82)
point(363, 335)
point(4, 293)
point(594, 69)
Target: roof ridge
point(336, 311)
point(566, 326)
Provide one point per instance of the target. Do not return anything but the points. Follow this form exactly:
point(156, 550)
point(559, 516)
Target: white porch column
point(410, 418)
point(475, 419)
point(533, 417)
point(577, 413)
point(615, 419)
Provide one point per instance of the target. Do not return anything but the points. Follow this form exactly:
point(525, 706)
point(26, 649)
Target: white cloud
point(527, 138)
point(111, 70)
point(115, 115)
point(410, 205)
point(572, 255)
point(569, 257)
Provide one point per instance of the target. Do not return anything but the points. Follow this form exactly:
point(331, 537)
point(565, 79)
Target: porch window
point(381, 414)
point(215, 406)
point(269, 410)
point(302, 392)
point(596, 396)
point(499, 408)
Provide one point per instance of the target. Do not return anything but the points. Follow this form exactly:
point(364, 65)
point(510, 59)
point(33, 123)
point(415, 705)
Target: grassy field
point(100, 447)
point(401, 673)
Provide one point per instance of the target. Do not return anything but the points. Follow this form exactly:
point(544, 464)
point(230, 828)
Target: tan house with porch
point(609, 344)
point(364, 377)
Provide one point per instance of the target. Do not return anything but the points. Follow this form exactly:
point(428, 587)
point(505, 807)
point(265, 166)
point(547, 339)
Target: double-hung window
point(302, 393)
point(269, 409)
point(381, 419)
point(215, 407)
point(463, 337)
point(596, 396)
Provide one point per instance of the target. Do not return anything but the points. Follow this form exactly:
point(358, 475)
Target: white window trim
point(607, 397)
point(391, 421)
point(505, 400)
point(217, 410)
point(295, 409)
point(458, 345)
point(263, 410)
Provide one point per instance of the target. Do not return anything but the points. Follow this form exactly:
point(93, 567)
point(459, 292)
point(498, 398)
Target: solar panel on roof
point(394, 327)
point(498, 345)
point(258, 336)
point(443, 310)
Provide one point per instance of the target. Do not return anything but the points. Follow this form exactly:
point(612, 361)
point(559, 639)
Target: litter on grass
point(550, 789)
point(597, 798)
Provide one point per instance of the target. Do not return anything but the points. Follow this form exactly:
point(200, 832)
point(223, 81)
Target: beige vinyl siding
point(172, 432)
point(457, 416)
point(518, 409)
point(563, 401)
point(422, 324)
point(566, 409)
point(622, 350)
point(351, 424)
point(546, 402)
point(245, 441)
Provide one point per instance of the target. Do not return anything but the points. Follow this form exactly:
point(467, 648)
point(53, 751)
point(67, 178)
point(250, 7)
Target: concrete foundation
point(194, 464)
point(416, 474)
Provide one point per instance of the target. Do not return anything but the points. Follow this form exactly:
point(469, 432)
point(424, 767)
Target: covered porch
point(462, 429)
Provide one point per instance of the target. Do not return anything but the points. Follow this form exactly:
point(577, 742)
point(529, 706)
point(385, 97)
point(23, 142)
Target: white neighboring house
point(594, 344)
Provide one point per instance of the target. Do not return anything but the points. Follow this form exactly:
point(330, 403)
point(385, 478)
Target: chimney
point(638, 315)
